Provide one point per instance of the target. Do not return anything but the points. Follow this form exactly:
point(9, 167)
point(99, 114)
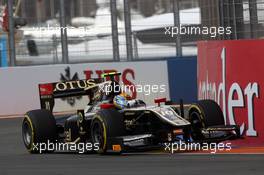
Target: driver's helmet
point(121, 100)
point(113, 89)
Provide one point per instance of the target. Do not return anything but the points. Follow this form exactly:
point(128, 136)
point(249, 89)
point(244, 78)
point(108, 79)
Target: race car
point(121, 129)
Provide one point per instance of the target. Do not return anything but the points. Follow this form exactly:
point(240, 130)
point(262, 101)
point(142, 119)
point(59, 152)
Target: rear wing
point(50, 91)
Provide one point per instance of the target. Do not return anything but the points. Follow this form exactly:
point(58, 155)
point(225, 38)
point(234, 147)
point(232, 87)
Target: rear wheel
point(38, 127)
point(203, 114)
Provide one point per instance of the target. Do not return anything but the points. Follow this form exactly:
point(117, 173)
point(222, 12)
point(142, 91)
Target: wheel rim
point(98, 134)
point(27, 133)
point(195, 120)
point(196, 125)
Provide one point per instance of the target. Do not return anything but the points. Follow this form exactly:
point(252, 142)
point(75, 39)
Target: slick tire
point(203, 114)
point(107, 123)
point(39, 127)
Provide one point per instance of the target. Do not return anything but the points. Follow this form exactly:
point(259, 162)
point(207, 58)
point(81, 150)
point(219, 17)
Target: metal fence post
point(55, 51)
point(227, 16)
point(234, 19)
point(221, 12)
point(135, 45)
point(176, 14)
point(253, 13)
point(115, 40)
point(128, 31)
point(11, 34)
point(63, 28)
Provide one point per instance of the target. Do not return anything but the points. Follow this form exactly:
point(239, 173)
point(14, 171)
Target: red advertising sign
point(232, 73)
point(5, 20)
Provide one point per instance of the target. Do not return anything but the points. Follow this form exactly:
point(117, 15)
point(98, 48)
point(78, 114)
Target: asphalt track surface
point(14, 159)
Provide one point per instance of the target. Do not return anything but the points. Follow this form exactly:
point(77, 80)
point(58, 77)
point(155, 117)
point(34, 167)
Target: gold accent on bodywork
point(129, 113)
point(68, 135)
point(81, 117)
point(75, 141)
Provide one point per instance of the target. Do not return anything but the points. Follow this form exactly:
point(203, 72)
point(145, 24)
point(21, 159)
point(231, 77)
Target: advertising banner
point(231, 73)
point(19, 85)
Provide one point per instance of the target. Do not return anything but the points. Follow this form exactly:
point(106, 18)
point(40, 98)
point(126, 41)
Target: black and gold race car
point(109, 129)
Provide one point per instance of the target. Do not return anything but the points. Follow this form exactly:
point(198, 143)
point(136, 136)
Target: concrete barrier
point(19, 85)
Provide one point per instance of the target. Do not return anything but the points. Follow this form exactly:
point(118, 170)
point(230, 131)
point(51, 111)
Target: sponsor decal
point(71, 81)
point(127, 78)
point(232, 76)
point(71, 85)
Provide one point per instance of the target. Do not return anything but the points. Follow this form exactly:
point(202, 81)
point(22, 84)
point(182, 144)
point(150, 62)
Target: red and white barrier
point(232, 73)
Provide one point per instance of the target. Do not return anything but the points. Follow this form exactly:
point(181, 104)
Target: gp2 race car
point(139, 127)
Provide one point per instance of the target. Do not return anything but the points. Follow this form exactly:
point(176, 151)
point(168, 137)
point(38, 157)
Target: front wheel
point(106, 124)
point(98, 134)
point(203, 114)
point(196, 124)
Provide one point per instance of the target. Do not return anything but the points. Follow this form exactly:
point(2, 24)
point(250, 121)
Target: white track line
point(11, 117)
point(22, 115)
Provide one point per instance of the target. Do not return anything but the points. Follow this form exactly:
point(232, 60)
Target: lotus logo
point(67, 77)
